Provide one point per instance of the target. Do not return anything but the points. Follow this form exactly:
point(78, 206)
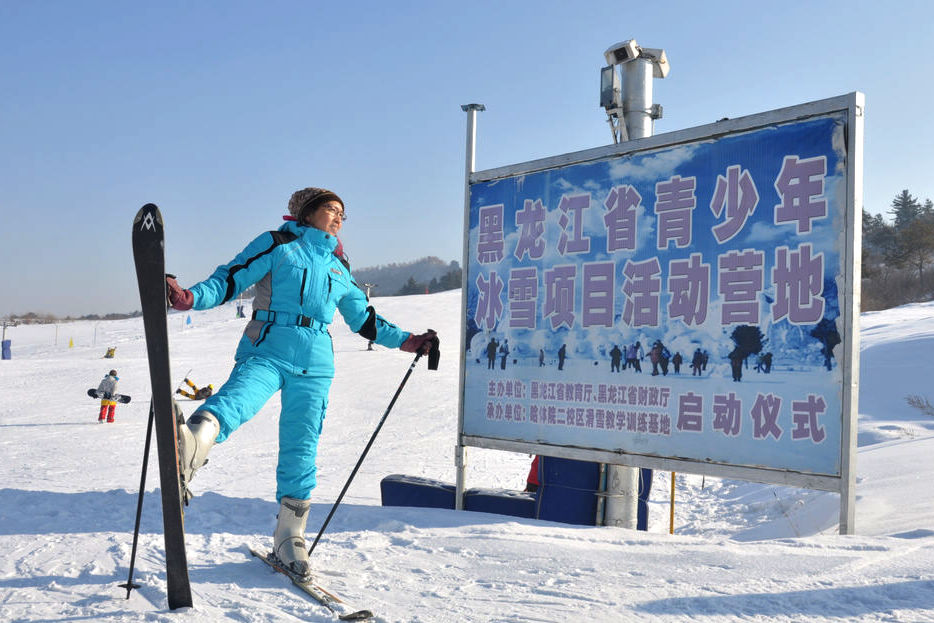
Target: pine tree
point(917, 245)
point(451, 280)
point(905, 209)
point(878, 242)
point(927, 211)
point(748, 339)
point(411, 287)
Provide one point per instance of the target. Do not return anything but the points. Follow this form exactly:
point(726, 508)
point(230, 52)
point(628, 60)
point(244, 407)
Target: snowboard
point(149, 256)
point(121, 398)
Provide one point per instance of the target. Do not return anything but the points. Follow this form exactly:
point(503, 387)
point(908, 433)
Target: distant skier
point(616, 356)
point(491, 354)
point(676, 361)
point(562, 353)
point(302, 277)
point(541, 358)
point(663, 359)
point(633, 355)
point(196, 393)
point(826, 332)
point(106, 390)
point(736, 364)
point(504, 354)
point(697, 362)
point(655, 356)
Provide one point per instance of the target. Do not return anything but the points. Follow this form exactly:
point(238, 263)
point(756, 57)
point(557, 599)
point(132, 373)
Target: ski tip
point(148, 213)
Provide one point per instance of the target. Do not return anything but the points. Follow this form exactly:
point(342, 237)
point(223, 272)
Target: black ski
point(149, 254)
point(121, 398)
point(311, 588)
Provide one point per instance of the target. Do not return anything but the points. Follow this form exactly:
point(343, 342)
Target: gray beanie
point(305, 201)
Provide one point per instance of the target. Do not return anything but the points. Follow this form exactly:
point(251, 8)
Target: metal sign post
point(460, 455)
point(638, 66)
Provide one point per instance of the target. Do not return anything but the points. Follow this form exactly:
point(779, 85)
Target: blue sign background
point(788, 417)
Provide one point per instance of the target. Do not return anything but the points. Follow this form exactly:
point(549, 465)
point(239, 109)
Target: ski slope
point(741, 551)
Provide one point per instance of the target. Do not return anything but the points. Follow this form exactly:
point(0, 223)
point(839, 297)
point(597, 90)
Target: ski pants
point(107, 409)
point(304, 402)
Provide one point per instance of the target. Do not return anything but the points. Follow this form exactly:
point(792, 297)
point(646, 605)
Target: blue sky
point(217, 111)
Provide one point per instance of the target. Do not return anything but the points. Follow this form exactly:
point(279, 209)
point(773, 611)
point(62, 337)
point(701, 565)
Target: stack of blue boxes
point(567, 493)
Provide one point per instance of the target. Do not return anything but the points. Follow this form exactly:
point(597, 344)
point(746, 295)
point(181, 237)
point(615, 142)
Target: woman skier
point(301, 277)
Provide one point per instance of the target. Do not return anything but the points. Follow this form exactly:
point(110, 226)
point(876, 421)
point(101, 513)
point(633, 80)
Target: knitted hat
point(113, 373)
point(304, 202)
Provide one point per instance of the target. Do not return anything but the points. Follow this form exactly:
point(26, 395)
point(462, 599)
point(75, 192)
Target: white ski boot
point(195, 440)
point(289, 539)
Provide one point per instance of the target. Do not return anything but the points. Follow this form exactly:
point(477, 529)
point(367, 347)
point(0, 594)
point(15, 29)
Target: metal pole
point(369, 444)
point(850, 317)
point(671, 518)
point(460, 452)
point(622, 502)
point(130, 585)
point(637, 97)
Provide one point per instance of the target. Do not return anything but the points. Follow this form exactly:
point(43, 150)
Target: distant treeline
point(897, 255)
point(34, 318)
point(427, 275)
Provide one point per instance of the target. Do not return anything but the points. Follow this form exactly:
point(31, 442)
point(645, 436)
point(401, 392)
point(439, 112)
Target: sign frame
point(852, 106)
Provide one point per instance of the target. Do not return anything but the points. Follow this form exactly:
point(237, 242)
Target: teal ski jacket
point(300, 282)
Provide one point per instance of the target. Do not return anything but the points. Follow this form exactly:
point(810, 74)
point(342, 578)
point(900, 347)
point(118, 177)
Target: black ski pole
point(433, 356)
point(130, 585)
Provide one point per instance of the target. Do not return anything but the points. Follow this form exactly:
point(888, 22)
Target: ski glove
point(179, 298)
point(419, 343)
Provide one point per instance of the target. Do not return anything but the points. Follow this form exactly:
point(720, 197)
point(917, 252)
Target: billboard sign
point(684, 297)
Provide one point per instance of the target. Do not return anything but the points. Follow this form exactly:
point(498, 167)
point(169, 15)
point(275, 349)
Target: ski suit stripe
point(278, 238)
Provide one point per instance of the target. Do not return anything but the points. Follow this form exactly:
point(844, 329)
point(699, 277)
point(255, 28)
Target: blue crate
point(500, 501)
point(569, 473)
point(567, 505)
point(401, 490)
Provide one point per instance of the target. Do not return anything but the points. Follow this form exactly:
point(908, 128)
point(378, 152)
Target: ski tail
point(313, 589)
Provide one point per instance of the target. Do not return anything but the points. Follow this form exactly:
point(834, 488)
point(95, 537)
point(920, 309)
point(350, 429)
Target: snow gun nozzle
point(434, 354)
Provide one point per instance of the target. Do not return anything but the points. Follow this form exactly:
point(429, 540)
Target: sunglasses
point(335, 212)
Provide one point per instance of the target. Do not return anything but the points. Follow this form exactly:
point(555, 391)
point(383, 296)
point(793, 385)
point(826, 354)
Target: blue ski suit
point(286, 345)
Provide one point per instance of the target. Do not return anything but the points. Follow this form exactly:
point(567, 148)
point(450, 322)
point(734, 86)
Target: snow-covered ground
point(740, 552)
